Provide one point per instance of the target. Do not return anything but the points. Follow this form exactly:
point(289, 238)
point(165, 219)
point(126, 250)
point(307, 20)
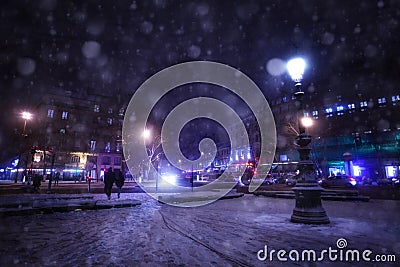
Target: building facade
point(78, 134)
point(359, 136)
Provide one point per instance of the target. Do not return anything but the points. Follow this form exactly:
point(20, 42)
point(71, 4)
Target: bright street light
point(26, 116)
point(146, 134)
point(296, 68)
point(307, 122)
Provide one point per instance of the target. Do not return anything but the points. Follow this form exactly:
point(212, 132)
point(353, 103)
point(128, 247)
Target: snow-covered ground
point(224, 233)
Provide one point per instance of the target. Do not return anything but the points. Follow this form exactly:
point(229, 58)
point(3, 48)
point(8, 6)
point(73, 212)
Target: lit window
point(121, 111)
point(93, 145)
point(110, 110)
point(64, 115)
point(50, 113)
point(395, 98)
point(306, 114)
point(339, 110)
point(75, 159)
point(118, 147)
point(109, 121)
point(96, 108)
point(328, 112)
point(363, 105)
point(284, 99)
point(108, 147)
point(382, 100)
point(351, 107)
point(315, 113)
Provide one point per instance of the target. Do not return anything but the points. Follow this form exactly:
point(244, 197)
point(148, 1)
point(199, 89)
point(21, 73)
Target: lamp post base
point(308, 208)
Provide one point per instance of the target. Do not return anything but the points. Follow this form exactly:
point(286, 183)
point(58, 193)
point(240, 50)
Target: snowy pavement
point(225, 233)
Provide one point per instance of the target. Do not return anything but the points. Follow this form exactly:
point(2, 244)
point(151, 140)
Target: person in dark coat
point(119, 181)
point(36, 182)
point(57, 178)
point(109, 179)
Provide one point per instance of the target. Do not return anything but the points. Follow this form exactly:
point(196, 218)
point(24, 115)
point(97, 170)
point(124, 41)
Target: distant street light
point(308, 207)
point(146, 134)
point(26, 116)
point(307, 122)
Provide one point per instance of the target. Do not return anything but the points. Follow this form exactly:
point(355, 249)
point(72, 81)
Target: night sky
point(351, 47)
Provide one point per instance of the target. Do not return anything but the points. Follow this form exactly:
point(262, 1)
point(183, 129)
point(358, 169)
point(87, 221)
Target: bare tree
point(154, 152)
point(292, 129)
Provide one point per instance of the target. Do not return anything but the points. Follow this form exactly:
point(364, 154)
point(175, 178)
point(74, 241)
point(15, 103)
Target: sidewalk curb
point(189, 197)
point(60, 203)
point(328, 196)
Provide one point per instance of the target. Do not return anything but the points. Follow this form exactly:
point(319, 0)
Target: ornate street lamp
point(308, 207)
point(26, 116)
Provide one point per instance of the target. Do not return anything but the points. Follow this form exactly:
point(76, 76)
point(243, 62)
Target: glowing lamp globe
point(307, 122)
point(26, 115)
point(296, 68)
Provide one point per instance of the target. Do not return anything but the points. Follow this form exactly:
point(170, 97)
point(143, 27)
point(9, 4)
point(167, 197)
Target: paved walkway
point(227, 232)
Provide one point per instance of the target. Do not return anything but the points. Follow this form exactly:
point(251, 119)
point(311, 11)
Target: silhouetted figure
point(56, 178)
point(109, 179)
point(119, 181)
point(36, 182)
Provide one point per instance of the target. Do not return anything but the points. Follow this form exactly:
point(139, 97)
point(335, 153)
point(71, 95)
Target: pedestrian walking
point(36, 182)
point(89, 180)
point(119, 181)
point(56, 178)
point(109, 179)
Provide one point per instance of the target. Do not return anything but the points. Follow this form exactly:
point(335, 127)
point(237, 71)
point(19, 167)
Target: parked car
point(268, 179)
point(384, 181)
point(366, 181)
point(290, 180)
point(280, 179)
point(338, 181)
point(247, 176)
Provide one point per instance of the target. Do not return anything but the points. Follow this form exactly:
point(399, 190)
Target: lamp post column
point(308, 207)
point(26, 116)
